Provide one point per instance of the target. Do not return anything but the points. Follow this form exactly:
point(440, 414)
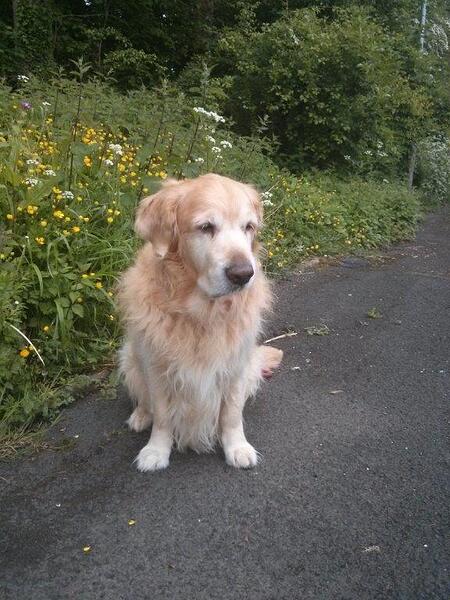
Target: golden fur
point(190, 358)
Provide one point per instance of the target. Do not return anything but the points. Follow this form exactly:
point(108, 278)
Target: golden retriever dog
point(192, 305)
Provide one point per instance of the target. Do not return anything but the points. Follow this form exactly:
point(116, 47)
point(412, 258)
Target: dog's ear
point(256, 203)
point(156, 218)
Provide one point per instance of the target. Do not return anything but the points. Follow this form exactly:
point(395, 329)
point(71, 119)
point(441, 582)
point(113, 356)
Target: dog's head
point(210, 223)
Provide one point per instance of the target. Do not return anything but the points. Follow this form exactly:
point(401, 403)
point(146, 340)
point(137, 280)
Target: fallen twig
point(279, 337)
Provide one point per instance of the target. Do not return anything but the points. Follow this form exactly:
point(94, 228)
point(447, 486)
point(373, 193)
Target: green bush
point(322, 214)
point(334, 90)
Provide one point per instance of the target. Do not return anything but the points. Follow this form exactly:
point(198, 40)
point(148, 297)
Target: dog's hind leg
point(141, 417)
point(264, 361)
point(270, 360)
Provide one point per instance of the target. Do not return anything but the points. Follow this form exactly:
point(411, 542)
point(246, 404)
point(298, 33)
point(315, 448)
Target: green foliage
point(434, 169)
point(32, 35)
point(322, 214)
point(332, 89)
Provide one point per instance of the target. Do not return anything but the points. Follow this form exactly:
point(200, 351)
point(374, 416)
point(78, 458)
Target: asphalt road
point(350, 501)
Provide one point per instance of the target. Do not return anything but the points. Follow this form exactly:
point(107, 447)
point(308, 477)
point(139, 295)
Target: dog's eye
point(249, 227)
point(207, 228)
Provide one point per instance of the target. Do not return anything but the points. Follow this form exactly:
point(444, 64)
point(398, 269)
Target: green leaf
point(78, 309)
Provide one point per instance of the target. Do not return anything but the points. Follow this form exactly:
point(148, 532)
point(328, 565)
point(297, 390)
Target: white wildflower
point(382, 154)
point(67, 195)
point(438, 40)
point(209, 113)
point(199, 160)
point(32, 161)
point(368, 152)
point(379, 144)
point(50, 172)
point(23, 78)
point(209, 138)
point(226, 144)
point(31, 181)
point(347, 157)
point(216, 150)
point(266, 198)
point(45, 104)
point(108, 162)
point(116, 148)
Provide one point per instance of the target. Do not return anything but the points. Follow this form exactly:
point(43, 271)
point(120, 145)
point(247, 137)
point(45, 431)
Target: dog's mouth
point(232, 289)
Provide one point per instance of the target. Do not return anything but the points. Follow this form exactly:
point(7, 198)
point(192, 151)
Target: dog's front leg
point(238, 452)
point(155, 455)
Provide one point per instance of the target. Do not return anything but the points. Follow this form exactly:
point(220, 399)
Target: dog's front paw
point(241, 457)
point(139, 420)
point(152, 458)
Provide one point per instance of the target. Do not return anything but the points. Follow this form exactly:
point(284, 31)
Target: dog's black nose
point(239, 273)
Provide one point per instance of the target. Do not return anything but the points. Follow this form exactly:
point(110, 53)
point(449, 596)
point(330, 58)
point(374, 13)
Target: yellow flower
point(59, 197)
point(110, 211)
point(92, 274)
point(24, 352)
point(31, 209)
point(110, 294)
point(40, 240)
point(123, 179)
point(110, 219)
point(121, 167)
point(45, 328)
point(111, 317)
point(76, 229)
point(98, 285)
point(58, 214)
point(67, 219)
point(43, 223)
point(56, 190)
point(87, 161)
point(117, 212)
point(9, 217)
point(65, 232)
point(79, 198)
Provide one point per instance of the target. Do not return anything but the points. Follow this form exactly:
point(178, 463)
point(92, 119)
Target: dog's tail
point(264, 361)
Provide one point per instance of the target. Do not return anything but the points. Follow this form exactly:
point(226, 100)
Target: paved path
point(349, 502)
